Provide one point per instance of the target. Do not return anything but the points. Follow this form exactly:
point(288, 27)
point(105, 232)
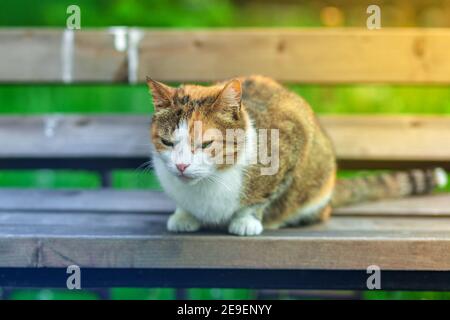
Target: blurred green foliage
point(223, 13)
point(103, 13)
point(142, 294)
point(220, 294)
point(136, 99)
point(406, 295)
point(154, 13)
point(74, 98)
point(46, 294)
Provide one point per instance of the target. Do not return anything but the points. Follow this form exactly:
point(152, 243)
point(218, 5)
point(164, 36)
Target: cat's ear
point(162, 94)
point(230, 97)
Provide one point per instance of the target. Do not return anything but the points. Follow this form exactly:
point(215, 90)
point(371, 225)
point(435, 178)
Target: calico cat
point(190, 144)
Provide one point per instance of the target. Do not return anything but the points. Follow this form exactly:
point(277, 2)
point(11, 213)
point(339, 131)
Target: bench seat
point(112, 229)
point(118, 238)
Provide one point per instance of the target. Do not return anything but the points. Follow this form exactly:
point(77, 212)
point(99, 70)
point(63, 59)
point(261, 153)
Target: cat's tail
point(396, 184)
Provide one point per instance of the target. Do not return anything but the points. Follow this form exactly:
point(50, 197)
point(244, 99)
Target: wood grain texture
point(140, 241)
point(435, 205)
point(293, 55)
point(390, 137)
point(126, 229)
point(370, 140)
point(18, 64)
point(37, 55)
point(101, 200)
point(156, 202)
point(74, 136)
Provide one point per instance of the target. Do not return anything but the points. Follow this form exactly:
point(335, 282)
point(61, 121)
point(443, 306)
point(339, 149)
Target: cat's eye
point(206, 144)
point(166, 142)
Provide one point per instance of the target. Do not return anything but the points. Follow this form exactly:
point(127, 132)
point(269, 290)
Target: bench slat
point(101, 200)
point(156, 202)
point(360, 141)
point(296, 55)
point(92, 59)
point(74, 136)
point(122, 224)
point(126, 229)
point(140, 241)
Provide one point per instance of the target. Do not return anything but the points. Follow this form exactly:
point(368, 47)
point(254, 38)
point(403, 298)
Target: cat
point(190, 145)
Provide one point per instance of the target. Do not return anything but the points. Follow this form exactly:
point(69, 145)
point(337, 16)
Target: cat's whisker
point(142, 171)
point(218, 180)
point(144, 165)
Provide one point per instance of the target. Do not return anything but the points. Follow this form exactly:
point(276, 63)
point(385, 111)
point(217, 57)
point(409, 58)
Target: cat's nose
point(182, 166)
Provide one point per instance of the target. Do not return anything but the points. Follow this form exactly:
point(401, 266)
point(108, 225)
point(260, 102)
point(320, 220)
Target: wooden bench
point(118, 237)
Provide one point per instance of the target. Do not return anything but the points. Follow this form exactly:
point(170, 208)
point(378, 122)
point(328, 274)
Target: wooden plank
point(75, 136)
point(30, 55)
point(97, 200)
point(295, 55)
point(44, 55)
point(121, 224)
point(390, 137)
point(140, 241)
point(311, 55)
point(435, 205)
point(364, 141)
point(147, 201)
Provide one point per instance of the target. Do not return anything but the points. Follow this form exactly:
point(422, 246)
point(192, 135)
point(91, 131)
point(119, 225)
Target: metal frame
point(226, 278)
point(111, 163)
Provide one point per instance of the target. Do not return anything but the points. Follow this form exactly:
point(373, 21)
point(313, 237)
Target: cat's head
point(192, 127)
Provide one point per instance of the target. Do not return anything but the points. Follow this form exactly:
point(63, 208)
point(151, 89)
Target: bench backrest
point(127, 55)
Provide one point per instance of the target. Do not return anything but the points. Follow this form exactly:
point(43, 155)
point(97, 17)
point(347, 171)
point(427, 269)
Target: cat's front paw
point(182, 221)
point(245, 226)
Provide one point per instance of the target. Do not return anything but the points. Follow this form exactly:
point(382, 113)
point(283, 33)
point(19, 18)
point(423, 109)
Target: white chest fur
point(210, 201)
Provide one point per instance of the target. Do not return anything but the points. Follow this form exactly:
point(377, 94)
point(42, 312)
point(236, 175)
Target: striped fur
point(397, 184)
